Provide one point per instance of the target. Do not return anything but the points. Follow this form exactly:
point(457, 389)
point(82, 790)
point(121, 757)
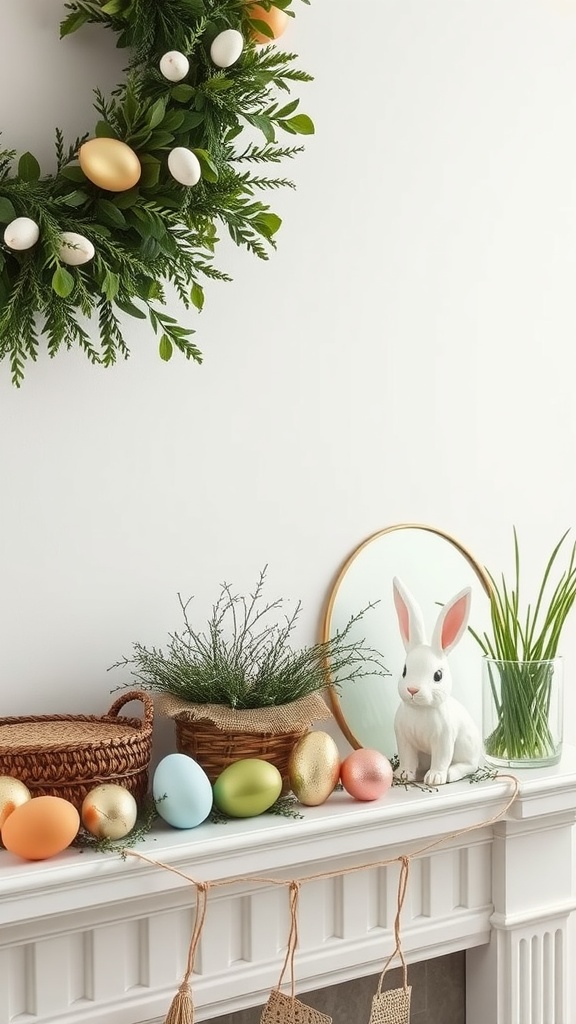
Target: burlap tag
point(281, 1009)
point(392, 1007)
point(299, 714)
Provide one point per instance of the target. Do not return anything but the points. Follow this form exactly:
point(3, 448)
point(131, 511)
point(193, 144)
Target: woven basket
point(68, 755)
point(214, 748)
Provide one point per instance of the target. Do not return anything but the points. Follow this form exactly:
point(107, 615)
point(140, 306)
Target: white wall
point(407, 355)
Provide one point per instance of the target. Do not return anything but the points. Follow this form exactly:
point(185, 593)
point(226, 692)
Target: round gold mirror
point(434, 566)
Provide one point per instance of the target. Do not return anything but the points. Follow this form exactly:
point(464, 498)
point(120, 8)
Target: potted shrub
point(522, 670)
point(236, 687)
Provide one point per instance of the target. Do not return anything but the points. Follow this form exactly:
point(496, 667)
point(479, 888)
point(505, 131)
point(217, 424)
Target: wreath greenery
point(159, 233)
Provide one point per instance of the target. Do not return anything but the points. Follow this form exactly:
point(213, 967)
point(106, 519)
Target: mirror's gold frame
point(475, 565)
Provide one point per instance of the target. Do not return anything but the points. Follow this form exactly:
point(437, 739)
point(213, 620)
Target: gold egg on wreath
point(12, 794)
point(110, 164)
point(109, 811)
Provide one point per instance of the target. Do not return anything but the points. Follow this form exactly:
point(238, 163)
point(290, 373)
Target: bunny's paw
point(433, 778)
point(404, 774)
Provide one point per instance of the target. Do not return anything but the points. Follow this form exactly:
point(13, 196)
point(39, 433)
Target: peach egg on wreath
point(275, 19)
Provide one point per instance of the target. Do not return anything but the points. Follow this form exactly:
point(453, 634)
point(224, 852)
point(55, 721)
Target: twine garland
point(388, 1007)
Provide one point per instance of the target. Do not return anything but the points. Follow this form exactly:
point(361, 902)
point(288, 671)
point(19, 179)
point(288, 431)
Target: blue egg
point(182, 791)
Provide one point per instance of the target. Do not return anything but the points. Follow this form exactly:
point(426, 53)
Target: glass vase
point(522, 712)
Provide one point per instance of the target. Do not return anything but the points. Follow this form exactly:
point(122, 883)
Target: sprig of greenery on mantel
point(159, 234)
point(243, 657)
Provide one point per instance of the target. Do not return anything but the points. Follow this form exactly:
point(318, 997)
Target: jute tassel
point(281, 1009)
point(393, 1005)
point(182, 1007)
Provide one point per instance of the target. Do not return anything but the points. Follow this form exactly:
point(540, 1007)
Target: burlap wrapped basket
point(216, 735)
point(68, 755)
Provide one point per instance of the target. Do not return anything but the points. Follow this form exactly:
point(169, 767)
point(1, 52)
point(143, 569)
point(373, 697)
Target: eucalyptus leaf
point(7, 211)
point(28, 167)
point(62, 282)
point(73, 172)
point(301, 124)
point(128, 307)
point(75, 199)
point(110, 214)
point(165, 348)
point(197, 296)
point(182, 93)
point(110, 285)
point(103, 130)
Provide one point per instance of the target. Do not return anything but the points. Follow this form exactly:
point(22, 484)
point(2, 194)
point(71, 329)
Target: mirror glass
point(434, 566)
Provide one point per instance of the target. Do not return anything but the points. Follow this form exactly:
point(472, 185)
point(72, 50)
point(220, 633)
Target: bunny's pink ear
point(409, 615)
point(452, 622)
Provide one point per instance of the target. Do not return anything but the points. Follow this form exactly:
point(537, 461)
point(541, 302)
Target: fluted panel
point(558, 972)
point(534, 978)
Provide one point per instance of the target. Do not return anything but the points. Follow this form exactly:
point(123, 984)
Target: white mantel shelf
point(89, 938)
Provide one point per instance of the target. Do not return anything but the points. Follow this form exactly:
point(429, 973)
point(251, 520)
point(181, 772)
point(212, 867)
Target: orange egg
point(276, 20)
point(41, 828)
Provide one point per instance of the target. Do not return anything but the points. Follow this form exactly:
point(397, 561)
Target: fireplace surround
point(90, 938)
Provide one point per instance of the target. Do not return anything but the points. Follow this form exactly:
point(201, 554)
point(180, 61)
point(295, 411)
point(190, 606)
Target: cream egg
point(174, 66)
point(75, 249)
point(184, 166)
point(226, 48)
point(21, 233)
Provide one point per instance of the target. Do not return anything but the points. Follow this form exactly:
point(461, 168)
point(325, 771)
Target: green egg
point(247, 788)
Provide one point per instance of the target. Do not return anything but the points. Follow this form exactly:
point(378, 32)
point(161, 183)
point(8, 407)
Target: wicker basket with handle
point(68, 755)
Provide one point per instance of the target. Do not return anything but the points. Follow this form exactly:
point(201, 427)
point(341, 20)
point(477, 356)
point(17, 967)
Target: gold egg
point(12, 794)
point(110, 164)
point(109, 811)
point(314, 768)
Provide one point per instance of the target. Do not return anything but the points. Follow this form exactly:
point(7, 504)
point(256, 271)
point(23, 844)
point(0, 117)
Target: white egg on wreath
point(75, 249)
point(174, 65)
point(226, 48)
point(184, 166)
point(22, 233)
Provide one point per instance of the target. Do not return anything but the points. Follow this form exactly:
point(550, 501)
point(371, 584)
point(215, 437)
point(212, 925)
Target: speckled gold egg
point(314, 768)
point(110, 164)
point(12, 794)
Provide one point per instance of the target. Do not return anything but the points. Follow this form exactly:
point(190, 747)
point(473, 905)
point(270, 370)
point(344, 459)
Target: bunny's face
point(425, 681)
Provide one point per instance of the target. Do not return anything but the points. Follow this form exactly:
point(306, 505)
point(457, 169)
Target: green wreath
point(134, 209)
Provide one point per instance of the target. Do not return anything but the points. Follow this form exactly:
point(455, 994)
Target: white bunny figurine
point(434, 732)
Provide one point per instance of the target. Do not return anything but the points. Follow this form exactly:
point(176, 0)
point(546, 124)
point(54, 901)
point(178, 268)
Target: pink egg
point(366, 774)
